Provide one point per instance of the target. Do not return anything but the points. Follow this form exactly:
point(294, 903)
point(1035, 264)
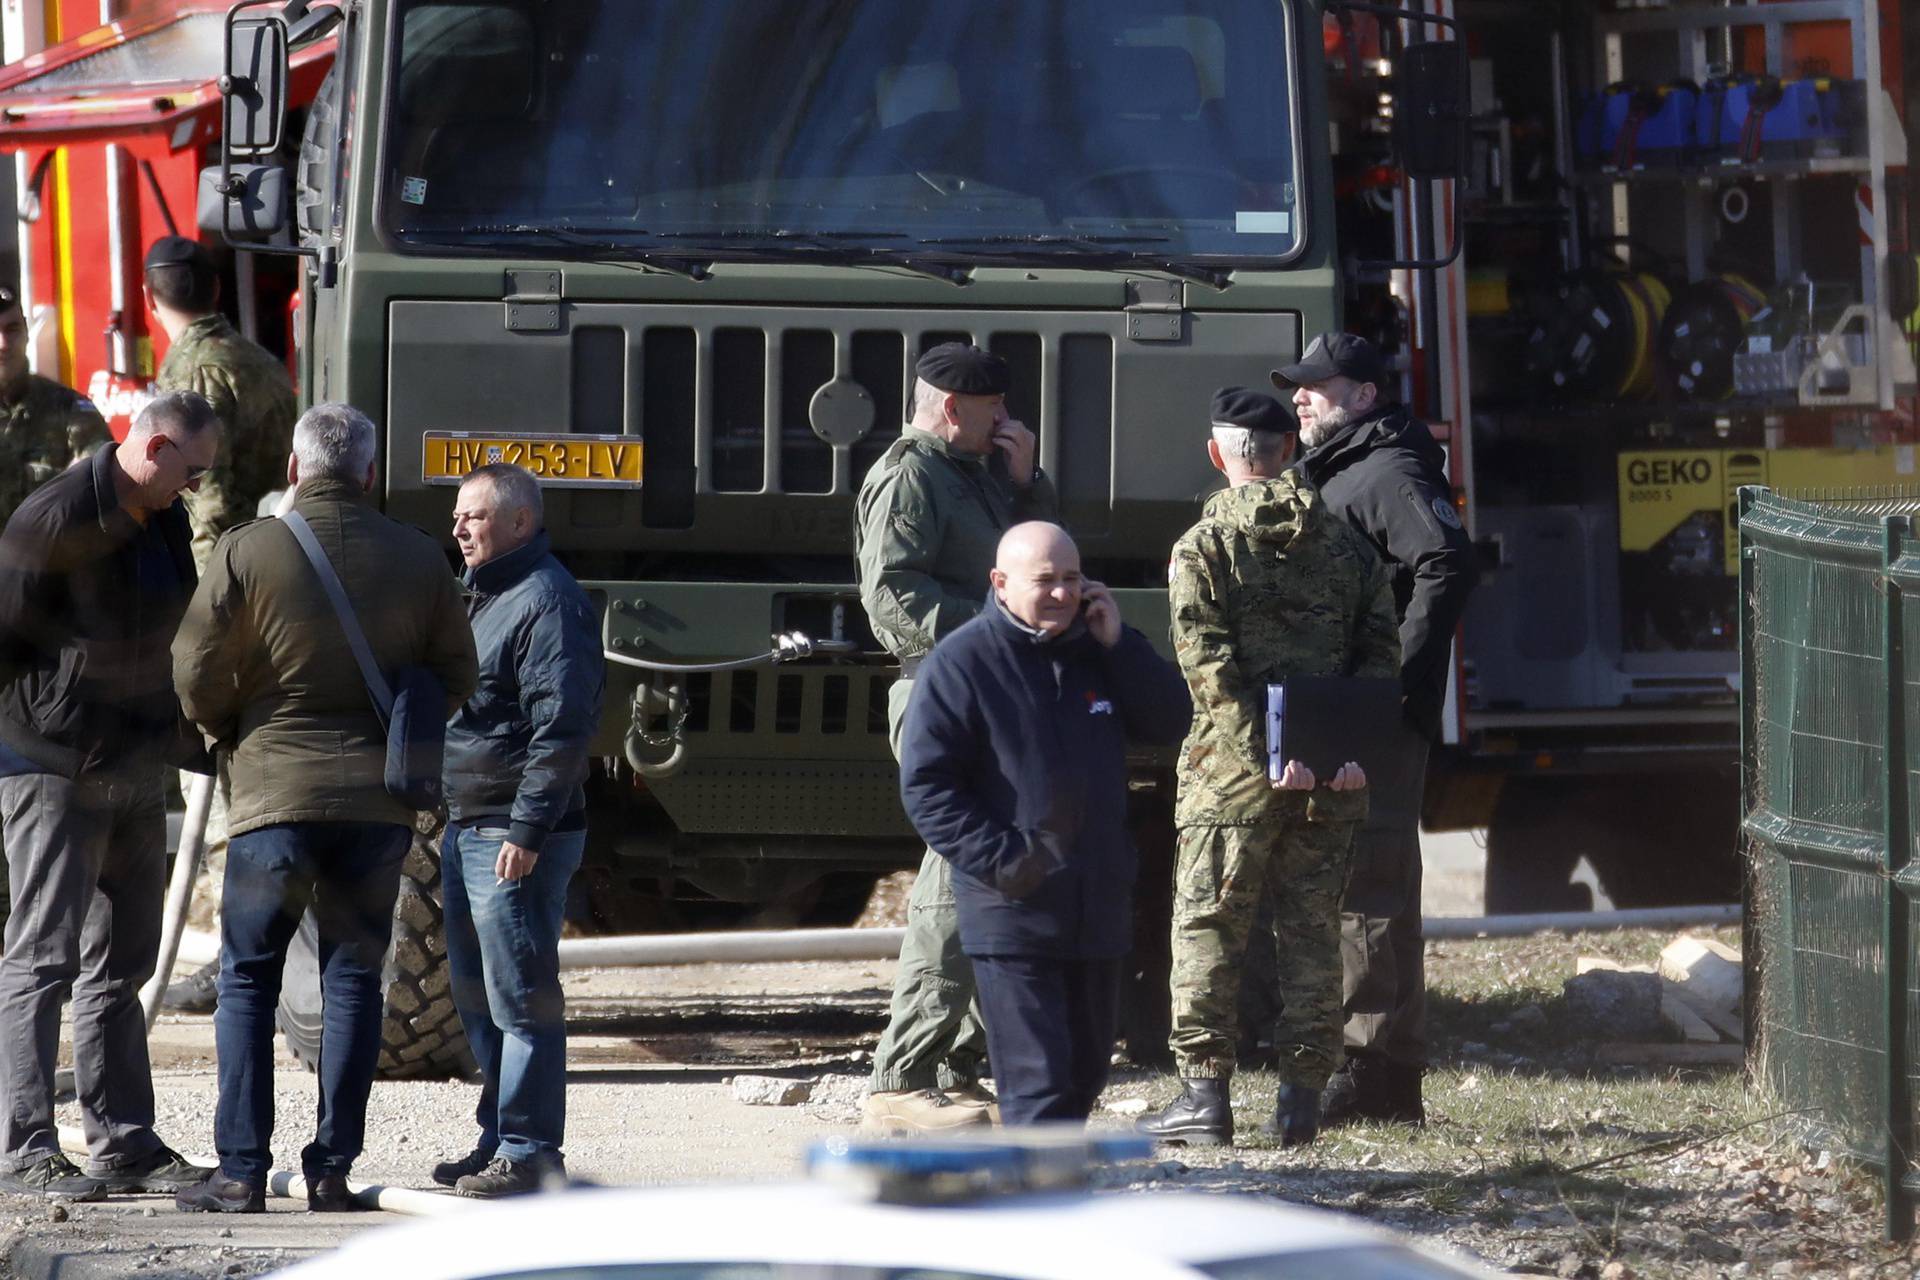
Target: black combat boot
point(1371, 1087)
point(1202, 1116)
point(1296, 1116)
point(1400, 1086)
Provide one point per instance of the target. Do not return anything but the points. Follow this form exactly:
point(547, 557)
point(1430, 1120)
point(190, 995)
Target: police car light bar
point(954, 1170)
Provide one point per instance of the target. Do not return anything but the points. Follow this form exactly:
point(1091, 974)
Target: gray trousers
point(87, 862)
point(934, 1036)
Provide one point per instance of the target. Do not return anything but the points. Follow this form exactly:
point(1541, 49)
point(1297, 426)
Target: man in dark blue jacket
point(1014, 766)
point(516, 762)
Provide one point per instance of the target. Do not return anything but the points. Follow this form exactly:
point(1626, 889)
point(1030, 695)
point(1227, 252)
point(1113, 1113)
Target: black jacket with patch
point(1386, 475)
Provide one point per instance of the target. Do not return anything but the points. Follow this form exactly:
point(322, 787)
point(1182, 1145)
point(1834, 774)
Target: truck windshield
point(961, 131)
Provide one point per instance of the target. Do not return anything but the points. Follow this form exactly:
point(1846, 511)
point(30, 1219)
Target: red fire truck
point(109, 112)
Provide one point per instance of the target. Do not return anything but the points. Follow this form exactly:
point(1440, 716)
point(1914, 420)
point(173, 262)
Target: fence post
point(1751, 958)
point(1896, 907)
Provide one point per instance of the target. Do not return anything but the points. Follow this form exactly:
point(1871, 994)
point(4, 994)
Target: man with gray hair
point(517, 826)
point(264, 666)
point(95, 570)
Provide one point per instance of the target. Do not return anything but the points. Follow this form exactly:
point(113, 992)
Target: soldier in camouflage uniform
point(244, 383)
point(43, 425)
point(1267, 586)
point(253, 397)
point(927, 523)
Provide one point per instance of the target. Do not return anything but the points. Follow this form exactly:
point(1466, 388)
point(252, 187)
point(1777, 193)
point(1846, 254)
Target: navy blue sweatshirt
point(1013, 766)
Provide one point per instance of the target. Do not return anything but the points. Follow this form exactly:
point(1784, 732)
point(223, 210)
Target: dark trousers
point(1050, 1028)
point(1383, 955)
point(87, 862)
point(503, 951)
point(349, 873)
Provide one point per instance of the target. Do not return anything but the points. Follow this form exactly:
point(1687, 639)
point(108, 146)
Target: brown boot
point(917, 1111)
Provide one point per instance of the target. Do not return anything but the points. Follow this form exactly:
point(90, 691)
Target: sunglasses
point(193, 473)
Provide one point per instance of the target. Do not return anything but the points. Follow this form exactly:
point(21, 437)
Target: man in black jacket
point(95, 572)
point(516, 762)
point(1013, 766)
point(1379, 467)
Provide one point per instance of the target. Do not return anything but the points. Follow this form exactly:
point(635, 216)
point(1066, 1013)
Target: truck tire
point(422, 1038)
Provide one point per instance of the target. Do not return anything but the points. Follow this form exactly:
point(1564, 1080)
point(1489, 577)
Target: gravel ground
point(1536, 1160)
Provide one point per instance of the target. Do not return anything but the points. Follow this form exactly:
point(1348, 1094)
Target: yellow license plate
point(566, 461)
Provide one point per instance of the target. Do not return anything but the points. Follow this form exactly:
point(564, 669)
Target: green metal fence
point(1830, 609)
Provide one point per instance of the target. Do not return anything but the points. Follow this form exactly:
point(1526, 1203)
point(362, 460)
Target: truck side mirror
point(254, 86)
point(1431, 110)
point(246, 202)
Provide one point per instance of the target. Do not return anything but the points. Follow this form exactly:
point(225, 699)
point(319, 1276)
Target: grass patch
point(1539, 1159)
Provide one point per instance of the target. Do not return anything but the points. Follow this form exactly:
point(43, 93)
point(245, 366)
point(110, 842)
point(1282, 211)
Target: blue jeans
point(503, 951)
point(349, 873)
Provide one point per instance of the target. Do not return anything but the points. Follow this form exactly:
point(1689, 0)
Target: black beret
point(8, 298)
point(1254, 410)
point(170, 251)
point(963, 370)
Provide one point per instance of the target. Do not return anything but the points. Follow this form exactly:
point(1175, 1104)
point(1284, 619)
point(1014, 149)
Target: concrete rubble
point(771, 1091)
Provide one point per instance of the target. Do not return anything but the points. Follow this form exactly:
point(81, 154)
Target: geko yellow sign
point(1662, 489)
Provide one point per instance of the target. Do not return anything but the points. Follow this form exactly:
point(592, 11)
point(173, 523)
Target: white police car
point(954, 1210)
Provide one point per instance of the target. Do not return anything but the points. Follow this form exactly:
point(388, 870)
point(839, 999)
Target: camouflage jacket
point(926, 526)
point(253, 396)
point(43, 427)
point(1269, 584)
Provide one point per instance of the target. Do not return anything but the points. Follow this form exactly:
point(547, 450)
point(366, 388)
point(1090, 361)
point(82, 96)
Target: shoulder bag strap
point(377, 687)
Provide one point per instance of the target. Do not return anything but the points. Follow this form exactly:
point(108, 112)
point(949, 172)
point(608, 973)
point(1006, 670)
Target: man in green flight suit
point(1268, 585)
point(926, 525)
point(44, 426)
point(253, 397)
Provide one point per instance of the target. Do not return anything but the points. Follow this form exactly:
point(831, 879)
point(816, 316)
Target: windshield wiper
point(1102, 242)
point(828, 246)
point(601, 249)
point(1105, 249)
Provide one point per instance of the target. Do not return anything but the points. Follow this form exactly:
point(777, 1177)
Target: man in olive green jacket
point(926, 526)
point(253, 397)
point(262, 665)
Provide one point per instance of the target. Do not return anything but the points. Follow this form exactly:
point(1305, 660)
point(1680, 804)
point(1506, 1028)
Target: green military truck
point(678, 258)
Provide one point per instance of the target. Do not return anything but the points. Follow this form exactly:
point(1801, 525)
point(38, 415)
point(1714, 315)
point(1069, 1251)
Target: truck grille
point(830, 702)
point(725, 409)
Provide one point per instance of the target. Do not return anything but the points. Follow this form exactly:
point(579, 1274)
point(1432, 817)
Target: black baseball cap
point(170, 251)
point(962, 370)
point(1254, 410)
point(1330, 355)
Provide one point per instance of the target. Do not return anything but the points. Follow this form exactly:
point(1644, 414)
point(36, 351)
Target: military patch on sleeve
point(1443, 512)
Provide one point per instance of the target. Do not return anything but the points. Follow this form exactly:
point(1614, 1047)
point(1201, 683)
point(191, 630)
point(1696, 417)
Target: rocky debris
point(1129, 1107)
point(1612, 1004)
point(771, 1091)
